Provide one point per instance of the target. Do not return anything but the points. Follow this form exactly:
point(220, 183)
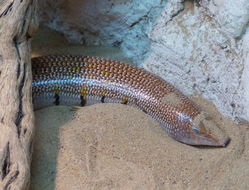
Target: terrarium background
point(198, 46)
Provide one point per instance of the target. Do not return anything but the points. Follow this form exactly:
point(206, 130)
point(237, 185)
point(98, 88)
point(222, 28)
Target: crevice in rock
point(23, 28)
point(31, 147)
point(11, 180)
point(20, 113)
point(18, 69)
point(6, 162)
point(7, 10)
point(16, 44)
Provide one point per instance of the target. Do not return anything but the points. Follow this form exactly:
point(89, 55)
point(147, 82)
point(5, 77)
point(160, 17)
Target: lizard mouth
point(204, 140)
point(206, 131)
point(211, 141)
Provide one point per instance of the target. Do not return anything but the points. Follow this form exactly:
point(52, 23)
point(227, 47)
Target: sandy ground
point(113, 146)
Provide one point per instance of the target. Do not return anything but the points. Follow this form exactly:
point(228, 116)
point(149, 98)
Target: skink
point(83, 80)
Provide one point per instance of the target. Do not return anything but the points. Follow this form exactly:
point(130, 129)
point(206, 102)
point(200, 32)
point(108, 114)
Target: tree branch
point(17, 24)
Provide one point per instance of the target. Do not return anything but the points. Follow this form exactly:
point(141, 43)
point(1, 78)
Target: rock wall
point(198, 46)
point(244, 87)
point(194, 53)
point(118, 23)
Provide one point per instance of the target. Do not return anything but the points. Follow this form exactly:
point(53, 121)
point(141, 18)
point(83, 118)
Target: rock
point(193, 54)
point(244, 86)
point(232, 16)
point(90, 23)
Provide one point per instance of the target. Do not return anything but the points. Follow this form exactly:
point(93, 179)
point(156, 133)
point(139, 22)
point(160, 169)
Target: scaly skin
point(78, 80)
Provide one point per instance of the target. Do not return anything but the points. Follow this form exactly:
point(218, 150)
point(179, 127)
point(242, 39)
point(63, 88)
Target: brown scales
point(113, 71)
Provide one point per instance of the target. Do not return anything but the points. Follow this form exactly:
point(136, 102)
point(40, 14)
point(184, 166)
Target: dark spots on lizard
point(144, 111)
point(82, 101)
point(57, 99)
point(103, 99)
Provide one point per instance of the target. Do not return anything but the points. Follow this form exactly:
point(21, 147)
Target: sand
point(113, 146)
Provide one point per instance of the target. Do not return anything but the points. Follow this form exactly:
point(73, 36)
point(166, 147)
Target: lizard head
point(201, 130)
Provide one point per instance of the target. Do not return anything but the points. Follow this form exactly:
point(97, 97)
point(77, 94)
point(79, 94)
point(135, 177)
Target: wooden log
point(17, 24)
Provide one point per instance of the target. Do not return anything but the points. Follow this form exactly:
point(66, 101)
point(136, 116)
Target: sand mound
point(113, 146)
